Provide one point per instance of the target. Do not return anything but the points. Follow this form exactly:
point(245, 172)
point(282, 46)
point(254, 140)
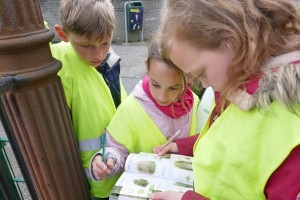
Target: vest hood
point(280, 82)
point(139, 93)
point(113, 58)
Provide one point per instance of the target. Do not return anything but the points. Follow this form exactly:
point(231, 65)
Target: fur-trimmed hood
point(280, 82)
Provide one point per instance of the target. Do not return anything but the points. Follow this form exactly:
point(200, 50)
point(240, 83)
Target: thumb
point(110, 163)
point(156, 150)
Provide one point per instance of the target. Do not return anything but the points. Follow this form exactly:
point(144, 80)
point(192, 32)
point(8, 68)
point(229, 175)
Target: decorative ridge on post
point(33, 108)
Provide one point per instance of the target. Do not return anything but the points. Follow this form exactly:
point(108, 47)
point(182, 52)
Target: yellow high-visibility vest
point(91, 105)
point(237, 155)
point(135, 130)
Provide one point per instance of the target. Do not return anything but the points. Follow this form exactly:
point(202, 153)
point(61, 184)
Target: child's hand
point(167, 195)
point(100, 169)
point(172, 148)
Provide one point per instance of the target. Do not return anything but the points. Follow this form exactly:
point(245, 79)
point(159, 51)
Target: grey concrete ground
point(132, 63)
point(132, 70)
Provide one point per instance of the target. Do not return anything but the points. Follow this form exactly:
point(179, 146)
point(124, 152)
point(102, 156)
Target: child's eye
point(155, 85)
point(202, 74)
point(85, 45)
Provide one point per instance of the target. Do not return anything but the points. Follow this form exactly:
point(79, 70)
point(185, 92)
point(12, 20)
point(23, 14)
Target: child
point(89, 74)
point(158, 107)
point(249, 52)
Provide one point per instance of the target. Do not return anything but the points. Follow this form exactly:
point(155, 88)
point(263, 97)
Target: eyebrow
point(81, 42)
point(154, 80)
point(178, 85)
point(92, 43)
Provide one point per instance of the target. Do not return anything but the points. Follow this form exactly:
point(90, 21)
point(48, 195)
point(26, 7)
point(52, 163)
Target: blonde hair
point(254, 29)
point(88, 17)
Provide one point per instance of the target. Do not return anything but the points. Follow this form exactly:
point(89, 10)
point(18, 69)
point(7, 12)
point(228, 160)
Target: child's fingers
point(97, 163)
point(157, 196)
point(110, 163)
point(100, 173)
point(156, 149)
point(170, 148)
point(167, 195)
point(164, 150)
point(100, 170)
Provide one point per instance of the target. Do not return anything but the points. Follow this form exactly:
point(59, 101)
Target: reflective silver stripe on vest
point(90, 144)
point(87, 172)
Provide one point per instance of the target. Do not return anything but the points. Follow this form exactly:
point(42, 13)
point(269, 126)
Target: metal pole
point(125, 19)
point(142, 33)
point(33, 108)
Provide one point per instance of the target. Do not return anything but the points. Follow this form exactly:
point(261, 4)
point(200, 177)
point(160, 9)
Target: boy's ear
point(61, 33)
point(147, 66)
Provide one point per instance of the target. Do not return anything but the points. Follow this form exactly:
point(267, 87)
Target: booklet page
point(170, 166)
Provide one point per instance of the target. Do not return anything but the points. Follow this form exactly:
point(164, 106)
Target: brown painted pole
point(33, 108)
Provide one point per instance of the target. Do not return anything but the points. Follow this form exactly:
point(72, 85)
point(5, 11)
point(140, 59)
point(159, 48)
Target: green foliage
point(141, 182)
point(147, 167)
point(184, 165)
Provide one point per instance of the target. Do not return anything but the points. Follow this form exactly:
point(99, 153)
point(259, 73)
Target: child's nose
point(162, 97)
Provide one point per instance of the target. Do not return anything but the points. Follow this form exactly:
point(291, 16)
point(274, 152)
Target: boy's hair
point(254, 29)
point(88, 17)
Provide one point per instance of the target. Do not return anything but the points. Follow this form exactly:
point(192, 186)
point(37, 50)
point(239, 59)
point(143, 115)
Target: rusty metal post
point(33, 108)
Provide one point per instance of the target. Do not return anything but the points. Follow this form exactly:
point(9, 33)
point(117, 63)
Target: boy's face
point(91, 50)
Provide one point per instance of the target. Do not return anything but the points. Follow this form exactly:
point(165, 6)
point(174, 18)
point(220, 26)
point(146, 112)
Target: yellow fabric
point(236, 156)
point(134, 129)
point(90, 103)
point(123, 92)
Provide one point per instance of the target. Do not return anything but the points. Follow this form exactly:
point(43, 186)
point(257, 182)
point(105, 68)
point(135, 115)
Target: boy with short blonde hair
point(99, 20)
point(90, 76)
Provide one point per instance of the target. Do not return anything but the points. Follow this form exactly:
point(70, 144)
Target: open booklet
point(146, 173)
